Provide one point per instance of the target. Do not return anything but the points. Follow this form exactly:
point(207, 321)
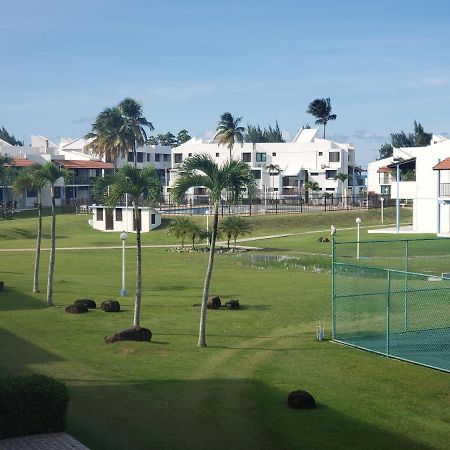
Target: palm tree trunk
point(38, 246)
point(51, 262)
point(137, 302)
point(324, 125)
point(202, 328)
point(134, 154)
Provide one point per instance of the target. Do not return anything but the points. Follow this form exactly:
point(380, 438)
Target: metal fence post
point(333, 289)
point(405, 288)
point(388, 307)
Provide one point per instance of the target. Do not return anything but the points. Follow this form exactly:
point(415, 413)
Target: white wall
point(126, 224)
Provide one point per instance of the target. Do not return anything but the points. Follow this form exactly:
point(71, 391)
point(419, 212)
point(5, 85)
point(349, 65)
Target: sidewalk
point(50, 441)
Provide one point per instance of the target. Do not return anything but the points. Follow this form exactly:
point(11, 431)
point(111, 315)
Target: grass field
point(169, 394)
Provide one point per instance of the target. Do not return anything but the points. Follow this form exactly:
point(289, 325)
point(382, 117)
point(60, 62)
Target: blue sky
point(383, 63)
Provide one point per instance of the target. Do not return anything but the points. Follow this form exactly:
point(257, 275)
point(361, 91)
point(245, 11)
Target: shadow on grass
point(12, 300)
point(215, 413)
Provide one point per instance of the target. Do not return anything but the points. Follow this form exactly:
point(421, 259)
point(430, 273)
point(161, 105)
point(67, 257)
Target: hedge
point(31, 405)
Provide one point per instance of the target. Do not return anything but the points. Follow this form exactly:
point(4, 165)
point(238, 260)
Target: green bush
point(31, 405)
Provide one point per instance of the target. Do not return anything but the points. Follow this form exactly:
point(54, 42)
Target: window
point(140, 157)
point(189, 155)
point(256, 174)
point(314, 174)
point(166, 158)
point(153, 219)
point(261, 157)
point(217, 155)
point(100, 214)
point(320, 153)
point(31, 193)
point(130, 157)
point(334, 157)
point(178, 157)
point(274, 154)
point(330, 174)
point(329, 189)
point(157, 157)
point(247, 157)
point(58, 190)
point(119, 214)
point(148, 157)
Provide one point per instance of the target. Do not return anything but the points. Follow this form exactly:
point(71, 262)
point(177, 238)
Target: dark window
point(334, 156)
point(256, 174)
point(274, 154)
point(261, 157)
point(320, 153)
point(166, 158)
point(247, 157)
point(119, 214)
point(157, 157)
point(189, 155)
point(153, 219)
point(178, 157)
point(148, 157)
point(329, 189)
point(58, 192)
point(217, 155)
point(330, 174)
point(31, 193)
point(100, 214)
point(140, 157)
point(314, 174)
point(130, 157)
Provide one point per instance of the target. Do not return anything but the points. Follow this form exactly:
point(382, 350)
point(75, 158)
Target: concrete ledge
point(49, 441)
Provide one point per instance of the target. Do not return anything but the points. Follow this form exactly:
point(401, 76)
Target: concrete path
point(50, 441)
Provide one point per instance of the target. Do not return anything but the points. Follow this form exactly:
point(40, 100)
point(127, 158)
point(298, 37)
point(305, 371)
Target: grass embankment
point(169, 394)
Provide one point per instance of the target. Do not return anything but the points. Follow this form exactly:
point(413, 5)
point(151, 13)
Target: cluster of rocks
point(205, 250)
point(83, 305)
point(214, 302)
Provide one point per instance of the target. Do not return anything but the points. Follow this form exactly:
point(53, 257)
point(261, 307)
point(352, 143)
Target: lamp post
point(123, 236)
point(382, 209)
point(358, 223)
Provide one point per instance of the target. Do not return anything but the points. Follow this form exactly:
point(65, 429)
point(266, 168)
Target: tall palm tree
point(32, 178)
point(233, 177)
point(229, 132)
point(272, 170)
point(134, 124)
point(109, 138)
point(143, 186)
point(310, 185)
point(5, 171)
point(321, 109)
point(51, 173)
point(343, 177)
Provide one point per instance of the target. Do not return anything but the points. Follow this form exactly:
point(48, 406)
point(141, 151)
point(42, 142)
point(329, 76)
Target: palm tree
point(343, 177)
point(142, 186)
point(51, 173)
point(229, 132)
point(134, 124)
point(5, 171)
point(32, 178)
point(273, 169)
point(310, 185)
point(180, 227)
point(233, 177)
point(321, 109)
point(109, 138)
point(234, 226)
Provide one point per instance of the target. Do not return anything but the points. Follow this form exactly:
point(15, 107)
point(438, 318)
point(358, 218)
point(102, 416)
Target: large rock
point(76, 309)
point(232, 304)
point(213, 302)
point(110, 306)
point(301, 400)
point(132, 334)
point(90, 304)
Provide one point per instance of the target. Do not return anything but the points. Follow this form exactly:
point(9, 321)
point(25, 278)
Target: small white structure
point(121, 218)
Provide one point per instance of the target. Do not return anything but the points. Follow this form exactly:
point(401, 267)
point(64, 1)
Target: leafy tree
point(233, 177)
point(143, 186)
point(183, 136)
point(386, 150)
point(321, 109)
point(311, 185)
point(234, 226)
point(33, 178)
point(6, 173)
point(152, 140)
point(5, 136)
point(51, 173)
point(229, 132)
point(421, 138)
point(167, 139)
point(255, 133)
point(180, 227)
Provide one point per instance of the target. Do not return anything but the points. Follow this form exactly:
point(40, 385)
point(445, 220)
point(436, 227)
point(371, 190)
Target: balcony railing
point(444, 190)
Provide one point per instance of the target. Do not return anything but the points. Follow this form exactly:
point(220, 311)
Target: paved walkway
point(50, 441)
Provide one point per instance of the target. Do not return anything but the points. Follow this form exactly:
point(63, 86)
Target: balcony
point(444, 190)
point(80, 180)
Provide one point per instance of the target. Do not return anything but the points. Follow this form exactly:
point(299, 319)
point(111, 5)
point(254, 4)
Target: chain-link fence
point(382, 303)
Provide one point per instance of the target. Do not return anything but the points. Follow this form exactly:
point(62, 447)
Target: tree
point(167, 139)
point(234, 226)
point(134, 124)
point(233, 177)
point(180, 227)
point(108, 136)
point(6, 173)
point(152, 140)
point(321, 109)
point(9, 138)
point(229, 132)
point(183, 136)
point(51, 173)
point(343, 177)
point(386, 150)
point(33, 178)
point(421, 138)
point(255, 133)
point(143, 186)
point(310, 185)
point(272, 170)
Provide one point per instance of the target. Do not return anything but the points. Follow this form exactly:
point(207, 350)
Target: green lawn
point(169, 394)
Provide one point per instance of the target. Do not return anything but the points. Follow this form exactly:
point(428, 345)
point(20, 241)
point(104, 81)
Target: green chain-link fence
point(394, 299)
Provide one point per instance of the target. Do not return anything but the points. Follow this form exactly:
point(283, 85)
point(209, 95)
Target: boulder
point(131, 334)
point(90, 304)
point(213, 302)
point(76, 309)
point(301, 400)
point(110, 306)
point(232, 304)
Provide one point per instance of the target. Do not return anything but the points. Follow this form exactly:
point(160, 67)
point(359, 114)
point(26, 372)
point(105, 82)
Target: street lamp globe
point(358, 220)
point(124, 235)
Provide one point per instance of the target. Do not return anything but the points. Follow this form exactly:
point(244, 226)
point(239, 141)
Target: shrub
point(31, 405)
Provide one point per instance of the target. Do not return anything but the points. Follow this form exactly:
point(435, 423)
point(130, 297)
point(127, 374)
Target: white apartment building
point(308, 157)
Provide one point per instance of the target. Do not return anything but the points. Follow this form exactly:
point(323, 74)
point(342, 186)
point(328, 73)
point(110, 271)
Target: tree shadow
point(12, 300)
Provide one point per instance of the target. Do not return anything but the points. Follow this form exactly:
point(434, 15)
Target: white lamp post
point(382, 209)
point(358, 223)
point(123, 236)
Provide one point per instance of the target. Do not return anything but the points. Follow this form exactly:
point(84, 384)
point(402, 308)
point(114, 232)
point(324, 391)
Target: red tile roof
point(22, 162)
point(384, 169)
point(83, 164)
point(443, 165)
